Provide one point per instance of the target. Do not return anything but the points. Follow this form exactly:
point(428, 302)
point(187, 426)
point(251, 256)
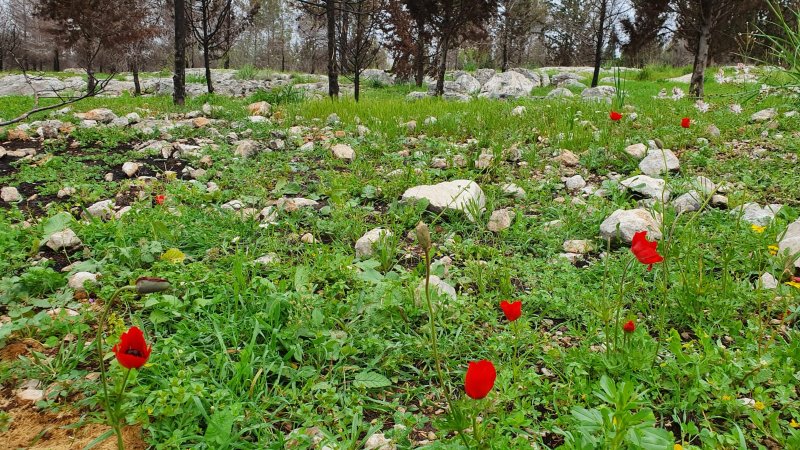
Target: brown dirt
point(37, 430)
point(14, 350)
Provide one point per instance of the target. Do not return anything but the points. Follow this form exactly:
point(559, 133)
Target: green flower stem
point(112, 415)
point(434, 343)
point(619, 303)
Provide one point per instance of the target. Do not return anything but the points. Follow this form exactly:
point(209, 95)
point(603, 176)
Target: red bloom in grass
point(512, 310)
point(160, 199)
point(686, 122)
point(132, 351)
point(480, 379)
point(645, 251)
point(615, 116)
point(629, 327)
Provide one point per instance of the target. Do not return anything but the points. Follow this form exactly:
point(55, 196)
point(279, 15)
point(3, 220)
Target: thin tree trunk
point(207, 64)
point(419, 52)
point(598, 50)
point(56, 61)
point(442, 63)
point(357, 84)
point(697, 85)
point(2, 58)
point(137, 88)
point(333, 73)
point(179, 78)
point(506, 37)
point(91, 81)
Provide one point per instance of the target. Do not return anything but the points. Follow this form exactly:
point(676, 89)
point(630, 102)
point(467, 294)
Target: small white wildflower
point(736, 108)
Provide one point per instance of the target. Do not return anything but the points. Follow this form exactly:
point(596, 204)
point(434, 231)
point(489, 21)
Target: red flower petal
point(512, 310)
point(480, 378)
point(645, 251)
point(686, 122)
point(132, 351)
point(615, 116)
point(629, 327)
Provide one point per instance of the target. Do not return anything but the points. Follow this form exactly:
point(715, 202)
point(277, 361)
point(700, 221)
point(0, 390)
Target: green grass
point(244, 353)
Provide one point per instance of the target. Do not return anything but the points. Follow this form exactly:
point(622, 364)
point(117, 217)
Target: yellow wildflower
point(758, 228)
point(726, 398)
point(794, 424)
point(773, 249)
point(793, 284)
point(677, 447)
point(759, 406)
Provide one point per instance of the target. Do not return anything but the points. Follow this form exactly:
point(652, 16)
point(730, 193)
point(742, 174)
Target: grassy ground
point(244, 353)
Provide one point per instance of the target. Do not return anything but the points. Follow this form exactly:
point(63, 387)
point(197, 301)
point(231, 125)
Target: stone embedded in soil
point(102, 115)
point(10, 194)
point(130, 168)
point(365, 245)
point(659, 161)
point(767, 281)
point(638, 151)
point(790, 242)
point(484, 160)
point(308, 238)
point(575, 183)
point(30, 391)
point(63, 240)
point(293, 204)
point(764, 115)
point(102, 209)
point(246, 148)
point(459, 195)
point(648, 187)
point(77, 280)
point(344, 152)
point(688, 202)
point(259, 109)
point(754, 214)
point(233, 205)
point(500, 220)
point(622, 224)
point(437, 286)
point(513, 190)
point(568, 158)
point(578, 246)
point(66, 192)
point(268, 259)
point(378, 441)
point(519, 111)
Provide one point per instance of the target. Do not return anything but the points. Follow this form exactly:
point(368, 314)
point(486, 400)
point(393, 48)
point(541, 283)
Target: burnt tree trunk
point(333, 72)
point(598, 50)
point(179, 78)
point(137, 87)
point(697, 85)
point(56, 61)
point(442, 63)
point(419, 52)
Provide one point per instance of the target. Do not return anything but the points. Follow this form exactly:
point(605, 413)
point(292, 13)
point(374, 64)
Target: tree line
point(413, 39)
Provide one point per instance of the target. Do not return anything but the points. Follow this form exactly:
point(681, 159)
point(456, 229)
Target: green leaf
point(56, 223)
point(173, 256)
point(371, 380)
point(220, 425)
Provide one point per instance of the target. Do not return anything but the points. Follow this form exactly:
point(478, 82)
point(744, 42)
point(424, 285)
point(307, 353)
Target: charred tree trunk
point(697, 85)
point(506, 37)
point(137, 87)
point(419, 52)
point(442, 63)
point(357, 84)
point(333, 72)
point(56, 61)
point(598, 50)
point(206, 44)
point(179, 78)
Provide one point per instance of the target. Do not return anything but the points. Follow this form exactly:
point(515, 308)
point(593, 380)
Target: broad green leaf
point(173, 256)
point(370, 380)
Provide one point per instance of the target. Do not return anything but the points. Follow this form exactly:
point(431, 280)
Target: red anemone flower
point(615, 116)
point(686, 122)
point(629, 327)
point(160, 199)
point(132, 351)
point(645, 251)
point(480, 379)
point(512, 310)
